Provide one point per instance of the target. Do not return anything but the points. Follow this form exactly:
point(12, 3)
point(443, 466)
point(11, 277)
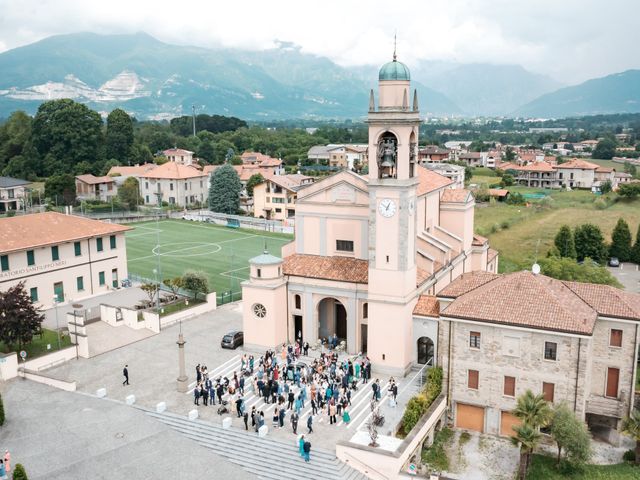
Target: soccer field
point(221, 252)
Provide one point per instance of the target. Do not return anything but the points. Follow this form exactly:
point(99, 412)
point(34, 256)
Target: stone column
point(183, 380)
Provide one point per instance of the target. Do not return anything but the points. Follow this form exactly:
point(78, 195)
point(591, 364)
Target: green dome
point(394, 70)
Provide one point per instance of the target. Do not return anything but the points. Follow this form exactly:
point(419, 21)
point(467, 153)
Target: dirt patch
point(481, 457)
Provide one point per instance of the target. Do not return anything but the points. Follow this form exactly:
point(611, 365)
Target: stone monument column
point(183, 380)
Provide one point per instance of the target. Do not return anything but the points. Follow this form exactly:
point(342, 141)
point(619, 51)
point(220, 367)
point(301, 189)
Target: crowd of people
point(323, 387)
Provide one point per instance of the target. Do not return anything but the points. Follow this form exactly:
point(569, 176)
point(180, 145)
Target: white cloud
point(569, 39)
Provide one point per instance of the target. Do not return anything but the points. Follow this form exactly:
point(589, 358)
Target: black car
point(232, 340)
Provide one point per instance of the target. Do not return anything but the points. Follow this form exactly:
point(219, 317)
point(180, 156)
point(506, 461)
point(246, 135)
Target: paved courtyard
point(60, 435)
point(153, 369)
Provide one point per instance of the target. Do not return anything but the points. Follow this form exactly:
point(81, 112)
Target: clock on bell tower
point(393, 143)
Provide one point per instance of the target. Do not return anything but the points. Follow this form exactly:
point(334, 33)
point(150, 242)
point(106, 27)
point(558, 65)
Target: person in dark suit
point(125, 372)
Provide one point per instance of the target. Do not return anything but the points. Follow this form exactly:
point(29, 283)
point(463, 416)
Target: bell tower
point(393, 142)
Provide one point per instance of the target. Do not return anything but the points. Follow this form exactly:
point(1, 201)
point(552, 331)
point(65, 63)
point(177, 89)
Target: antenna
point(395, 45)
point(535, 268)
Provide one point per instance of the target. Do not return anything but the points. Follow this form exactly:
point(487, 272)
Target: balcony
point(610, 407)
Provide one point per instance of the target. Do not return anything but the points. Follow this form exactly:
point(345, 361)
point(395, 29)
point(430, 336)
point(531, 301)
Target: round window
point(259, 310)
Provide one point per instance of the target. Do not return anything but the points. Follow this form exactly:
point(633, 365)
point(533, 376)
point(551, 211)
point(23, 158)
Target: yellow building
point(275, 198)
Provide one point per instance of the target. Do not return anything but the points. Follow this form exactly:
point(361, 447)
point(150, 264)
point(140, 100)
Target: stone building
point(500, 335)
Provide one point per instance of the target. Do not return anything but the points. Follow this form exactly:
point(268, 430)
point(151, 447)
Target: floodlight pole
point(158, 266)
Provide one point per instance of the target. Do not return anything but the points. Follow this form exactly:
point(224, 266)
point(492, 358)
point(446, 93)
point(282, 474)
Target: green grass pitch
point(219, 251)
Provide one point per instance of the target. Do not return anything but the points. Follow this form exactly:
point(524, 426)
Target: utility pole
point(193, 116)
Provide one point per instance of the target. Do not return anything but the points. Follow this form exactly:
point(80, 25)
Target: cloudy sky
point(570, 40)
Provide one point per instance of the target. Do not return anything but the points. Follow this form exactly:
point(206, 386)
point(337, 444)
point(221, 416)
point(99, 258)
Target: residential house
point(179, 155)
point(275, 198)
point(349, 156)
point(538, 174)
point(577, 173)
point(121, 173)
point(174, 183)
point(453, 172)
point(473, 159)
point(574, 343)
point(433, 154)
point(13, 193)
point(90, 187)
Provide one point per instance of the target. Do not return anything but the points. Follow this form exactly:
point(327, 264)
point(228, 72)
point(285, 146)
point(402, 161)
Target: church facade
point(370, 252)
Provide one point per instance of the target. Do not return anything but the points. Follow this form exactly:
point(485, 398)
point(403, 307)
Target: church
point(371, 252)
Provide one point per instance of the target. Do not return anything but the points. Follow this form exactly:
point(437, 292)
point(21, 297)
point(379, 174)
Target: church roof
point(265, 259)
point(394, 70)
point(343, 269)
point(430, 180)
point(427, 306)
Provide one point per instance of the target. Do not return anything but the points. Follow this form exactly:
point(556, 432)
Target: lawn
point(38, 345)
point(518, 232)
point(543, 468)
point(221, 252)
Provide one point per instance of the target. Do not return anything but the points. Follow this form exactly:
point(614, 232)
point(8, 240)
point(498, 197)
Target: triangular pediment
point(344, 187)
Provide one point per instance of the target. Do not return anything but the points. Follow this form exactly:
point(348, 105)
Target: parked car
point(614, 262)
point(232, 340)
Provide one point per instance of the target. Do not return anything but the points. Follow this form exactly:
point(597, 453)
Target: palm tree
point(631, 426)
point(533, 410)
point(527, 439)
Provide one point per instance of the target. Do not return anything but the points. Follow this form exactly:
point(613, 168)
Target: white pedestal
point(161, 407)
point(130, 399)
point(193, 414)
point(226, 423)
point(262, 431)
point(101, 392)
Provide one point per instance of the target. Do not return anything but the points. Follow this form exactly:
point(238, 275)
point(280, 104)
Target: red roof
point(91, 180)
point(579, 164)
point(430, 181)
point(173, 171)
point(456, 195)
point(342, 269)
point(427, 306)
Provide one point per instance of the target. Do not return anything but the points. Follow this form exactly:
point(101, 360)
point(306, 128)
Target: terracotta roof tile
point(131, 171)
point(342, 269)
point(430, 180)
point(455, 195)
point(608, 301)
point(177, 151)
point(479, 240)
point(526, 300)
point(173, 171)
point(41, 229)
point(92, 180)
point(427, 306)
point(498, 192)
point(491, 254)
point(576, 163)
point(421, 276)
point(467, 282)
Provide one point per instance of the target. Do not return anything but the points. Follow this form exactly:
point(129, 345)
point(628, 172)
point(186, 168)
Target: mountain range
point(156, 80)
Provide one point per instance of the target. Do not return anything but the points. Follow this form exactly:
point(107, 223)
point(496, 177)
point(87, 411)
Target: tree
point(526, 438)
point(532, 409)
point(631, 426)
point(569, 269)
point(606, 149)
point(507, 180)
point(66, 133)
point(509, 154)
point(570, 435)
point(129, 193)
point(621, 241)
point(635, 251)
point(564, 242)
point(61, 188)
point(1, 411)
point(20, 319)
point(119, 137)
point(19, 472)
point(629, 190)
point(606, 187)
point(254, 180)
point(150, 289)
point(590, 243)
point(196, 282)
point(224, 193)
point(174, 284)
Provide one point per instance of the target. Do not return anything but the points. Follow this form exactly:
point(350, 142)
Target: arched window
point(425, 350)
point(297, 301)
point(387, 155)
point(365, 310)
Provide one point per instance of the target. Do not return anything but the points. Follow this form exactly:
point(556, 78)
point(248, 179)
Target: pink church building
point(370, 252)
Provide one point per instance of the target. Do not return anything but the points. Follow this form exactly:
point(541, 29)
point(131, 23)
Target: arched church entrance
point(332, 319)
point(425, 350)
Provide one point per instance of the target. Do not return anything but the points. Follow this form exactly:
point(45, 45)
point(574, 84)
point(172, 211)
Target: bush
point(418, 405)
point(600, 204)
point(19, 473)
point(504, 225)
point(629, 456)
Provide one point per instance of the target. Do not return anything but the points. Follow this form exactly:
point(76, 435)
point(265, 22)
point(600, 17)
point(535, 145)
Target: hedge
point(419, 404)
